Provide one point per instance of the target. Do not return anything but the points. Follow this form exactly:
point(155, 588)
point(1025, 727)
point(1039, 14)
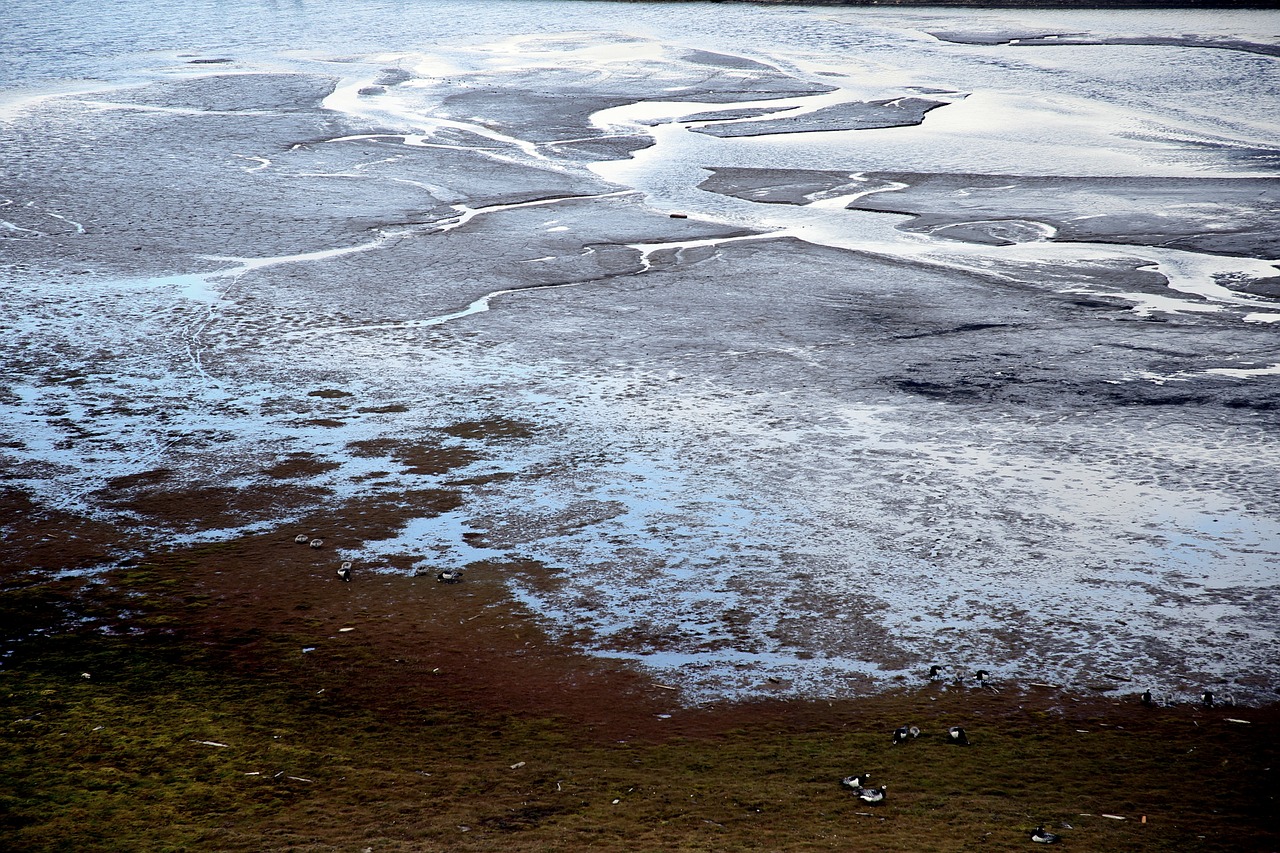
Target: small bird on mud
point(1146, 699)
point(344, 572)
point(316, 543)
point(449, 576)
point(1040, 835)
point(905, 733)
point(957, 735)
point(1207, 698)
point(301, 538)
point(935, 671)
point(981, 677)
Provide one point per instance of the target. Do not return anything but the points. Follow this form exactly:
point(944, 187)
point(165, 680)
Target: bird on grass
point(1146, 699)
point(316, 543)
point(301, 538)
point(1040, 835)
point(957, 735)
point(981, 677)
point(449, 576)
point(854, 783)
point(872, 796)
point(1207, 698)
point(935, 671)
point(344, 572)
point(905, 733)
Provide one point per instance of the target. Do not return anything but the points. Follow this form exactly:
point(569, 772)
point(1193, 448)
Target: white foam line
point(647, 250)
point(262, 161)
point(479, 306)
point(76, 225)
point(1229, 372)
point(10, 226)
point(841, 202)
point(347, 100)
point(466, 214)
point(413, 140)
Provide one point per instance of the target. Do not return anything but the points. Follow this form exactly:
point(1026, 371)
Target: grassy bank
point(164, 739)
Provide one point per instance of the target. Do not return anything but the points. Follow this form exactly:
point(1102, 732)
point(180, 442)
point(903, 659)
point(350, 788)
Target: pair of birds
point(304, 539)
point(979, 676)
point(869, 795)
point(955, 735)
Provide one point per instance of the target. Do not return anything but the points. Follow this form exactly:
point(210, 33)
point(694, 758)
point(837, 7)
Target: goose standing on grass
point(1207, 698)
point(1042, 836)
point(344, 572)
point(935, 672)
point(449, 576)
point(1146, 699)
point(981, 677)
point(957, 735)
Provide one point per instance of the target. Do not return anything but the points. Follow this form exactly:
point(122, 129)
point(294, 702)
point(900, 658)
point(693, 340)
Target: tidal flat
point(745, 362)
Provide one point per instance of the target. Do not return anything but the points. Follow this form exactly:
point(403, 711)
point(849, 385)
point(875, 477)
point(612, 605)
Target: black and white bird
point(957, 735)
point(301, 538)
point(854, 783)
point(1040, 835)
point(905, 733)
point(1207, 698)
point(449, 576)
point(1146, 699)
point(935, 671)
point(344, 572)
point(872, 796)
point(316, 543)
point(981, 677)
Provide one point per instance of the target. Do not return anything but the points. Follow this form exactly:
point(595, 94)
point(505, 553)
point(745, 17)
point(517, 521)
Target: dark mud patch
point(429, 459)
point(202, 508)
point(491, 428)
point(299, 466)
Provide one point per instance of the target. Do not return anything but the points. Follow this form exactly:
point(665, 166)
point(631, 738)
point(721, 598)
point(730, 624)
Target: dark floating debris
point(1040, 835)
point(679, 216)
point(449, 576)
point(957, 735)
